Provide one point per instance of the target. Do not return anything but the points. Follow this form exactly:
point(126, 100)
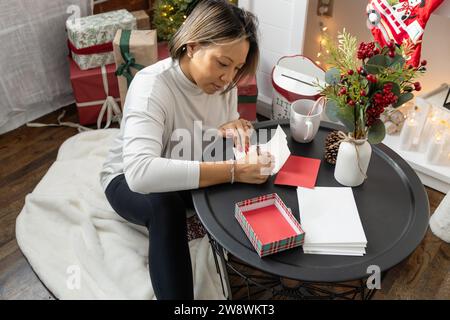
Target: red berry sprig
point(372, 78)
point(366, 50)
point(380, 101)
point(417, 86)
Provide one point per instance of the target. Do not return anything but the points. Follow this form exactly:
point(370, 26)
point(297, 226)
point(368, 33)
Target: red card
point(299, 172)
point(269, 224)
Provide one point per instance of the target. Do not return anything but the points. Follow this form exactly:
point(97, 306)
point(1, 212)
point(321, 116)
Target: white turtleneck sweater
point(160, 100)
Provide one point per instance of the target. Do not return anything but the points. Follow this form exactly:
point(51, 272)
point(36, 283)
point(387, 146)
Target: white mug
point(305, 119)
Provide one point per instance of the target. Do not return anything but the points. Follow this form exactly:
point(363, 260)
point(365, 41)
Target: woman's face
point(213, 68)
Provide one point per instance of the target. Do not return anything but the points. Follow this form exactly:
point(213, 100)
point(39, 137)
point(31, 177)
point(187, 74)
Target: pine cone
point(332, 143)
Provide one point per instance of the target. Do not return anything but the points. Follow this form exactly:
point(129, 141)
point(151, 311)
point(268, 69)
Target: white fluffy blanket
point(79, 247)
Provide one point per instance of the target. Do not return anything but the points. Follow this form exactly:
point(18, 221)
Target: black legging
point(164, 214)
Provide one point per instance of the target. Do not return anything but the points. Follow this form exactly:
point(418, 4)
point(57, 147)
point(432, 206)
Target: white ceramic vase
point(351, 165)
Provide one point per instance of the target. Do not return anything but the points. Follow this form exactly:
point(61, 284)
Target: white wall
point(282, 25)
point(351, 15)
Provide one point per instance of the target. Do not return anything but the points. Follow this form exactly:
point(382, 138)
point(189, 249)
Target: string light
point(169, 16)
point(322, 42)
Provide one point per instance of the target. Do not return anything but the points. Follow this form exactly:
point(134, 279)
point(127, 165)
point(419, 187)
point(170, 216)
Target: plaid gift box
point(269, 224)
point(90, 38)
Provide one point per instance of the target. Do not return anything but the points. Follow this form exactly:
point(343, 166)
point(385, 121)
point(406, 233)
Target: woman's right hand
point(254, 169)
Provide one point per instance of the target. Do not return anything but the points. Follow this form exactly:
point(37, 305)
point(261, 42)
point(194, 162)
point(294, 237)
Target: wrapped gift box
point(90, 38)
point(247, 111)
point(89, 90)
point(247, 87)
point(269, 224)
point(142, 47)
point(247, 98)
point(163, 50)
point(142, 19)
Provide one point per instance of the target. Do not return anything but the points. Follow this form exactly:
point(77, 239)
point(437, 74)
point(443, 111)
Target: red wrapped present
point(247, 87)
point(163, 50)
point(247, 111)
point(96, 94)
point(247, 98)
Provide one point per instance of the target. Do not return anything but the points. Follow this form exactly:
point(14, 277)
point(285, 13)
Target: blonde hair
point(214, 22)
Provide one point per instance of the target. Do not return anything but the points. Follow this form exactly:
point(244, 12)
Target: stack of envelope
point(330, 219)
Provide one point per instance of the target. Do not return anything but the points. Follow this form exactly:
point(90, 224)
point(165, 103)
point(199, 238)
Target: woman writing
point(215, 47)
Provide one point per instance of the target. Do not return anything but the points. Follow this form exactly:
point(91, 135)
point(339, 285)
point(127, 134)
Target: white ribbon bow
point(110, 106)
point(113, 112)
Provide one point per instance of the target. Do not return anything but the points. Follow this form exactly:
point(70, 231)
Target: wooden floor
point(27, 153)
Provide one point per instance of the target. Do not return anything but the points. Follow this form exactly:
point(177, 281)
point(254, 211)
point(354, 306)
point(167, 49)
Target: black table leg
point(261, 285)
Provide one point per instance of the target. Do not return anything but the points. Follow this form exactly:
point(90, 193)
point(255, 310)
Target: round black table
point(392, 204)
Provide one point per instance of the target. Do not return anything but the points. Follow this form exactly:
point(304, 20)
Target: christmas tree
point(169, 15)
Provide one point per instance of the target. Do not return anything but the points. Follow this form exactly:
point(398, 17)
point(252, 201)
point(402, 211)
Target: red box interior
point(269, 224)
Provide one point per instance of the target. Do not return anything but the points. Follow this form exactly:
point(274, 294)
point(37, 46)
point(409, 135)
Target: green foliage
point(333, 76)
point(169, 15)
point(377, 132)
point(405, 97)
point(353, 83)
point(376, 64)
point(343, 55)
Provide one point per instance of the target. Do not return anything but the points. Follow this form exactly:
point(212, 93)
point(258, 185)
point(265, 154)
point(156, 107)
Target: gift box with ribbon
point(96, 94)
point(90, 38)
point(142, 19)
point(133, 50)
point(247, 98)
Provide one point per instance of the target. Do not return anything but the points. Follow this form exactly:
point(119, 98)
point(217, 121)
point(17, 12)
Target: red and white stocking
point(404, 21)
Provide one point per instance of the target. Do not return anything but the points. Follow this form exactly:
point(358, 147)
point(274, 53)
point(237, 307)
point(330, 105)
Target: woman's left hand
point(240, 130)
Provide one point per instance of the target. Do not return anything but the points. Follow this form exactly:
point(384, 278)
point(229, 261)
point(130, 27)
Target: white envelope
point(331, 220)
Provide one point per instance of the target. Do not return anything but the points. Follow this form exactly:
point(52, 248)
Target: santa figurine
point(405, 21)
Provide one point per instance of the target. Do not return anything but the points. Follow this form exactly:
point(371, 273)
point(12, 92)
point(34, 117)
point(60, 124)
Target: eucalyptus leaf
point(333, 76)
point(405, 97)
point(398, 59)
point(347, 116)
point(376, 64)
point(332, 110)
point(377, 132)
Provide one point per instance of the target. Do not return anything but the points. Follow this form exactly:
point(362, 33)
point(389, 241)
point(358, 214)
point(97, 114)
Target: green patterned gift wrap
point(90, 38)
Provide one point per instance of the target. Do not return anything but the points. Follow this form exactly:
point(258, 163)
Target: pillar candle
point(429, 130)
point(408, 134)
point(435, 148)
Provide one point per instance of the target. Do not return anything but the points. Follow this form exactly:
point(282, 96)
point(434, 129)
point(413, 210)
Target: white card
point(330, 216)
point(277, 146)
